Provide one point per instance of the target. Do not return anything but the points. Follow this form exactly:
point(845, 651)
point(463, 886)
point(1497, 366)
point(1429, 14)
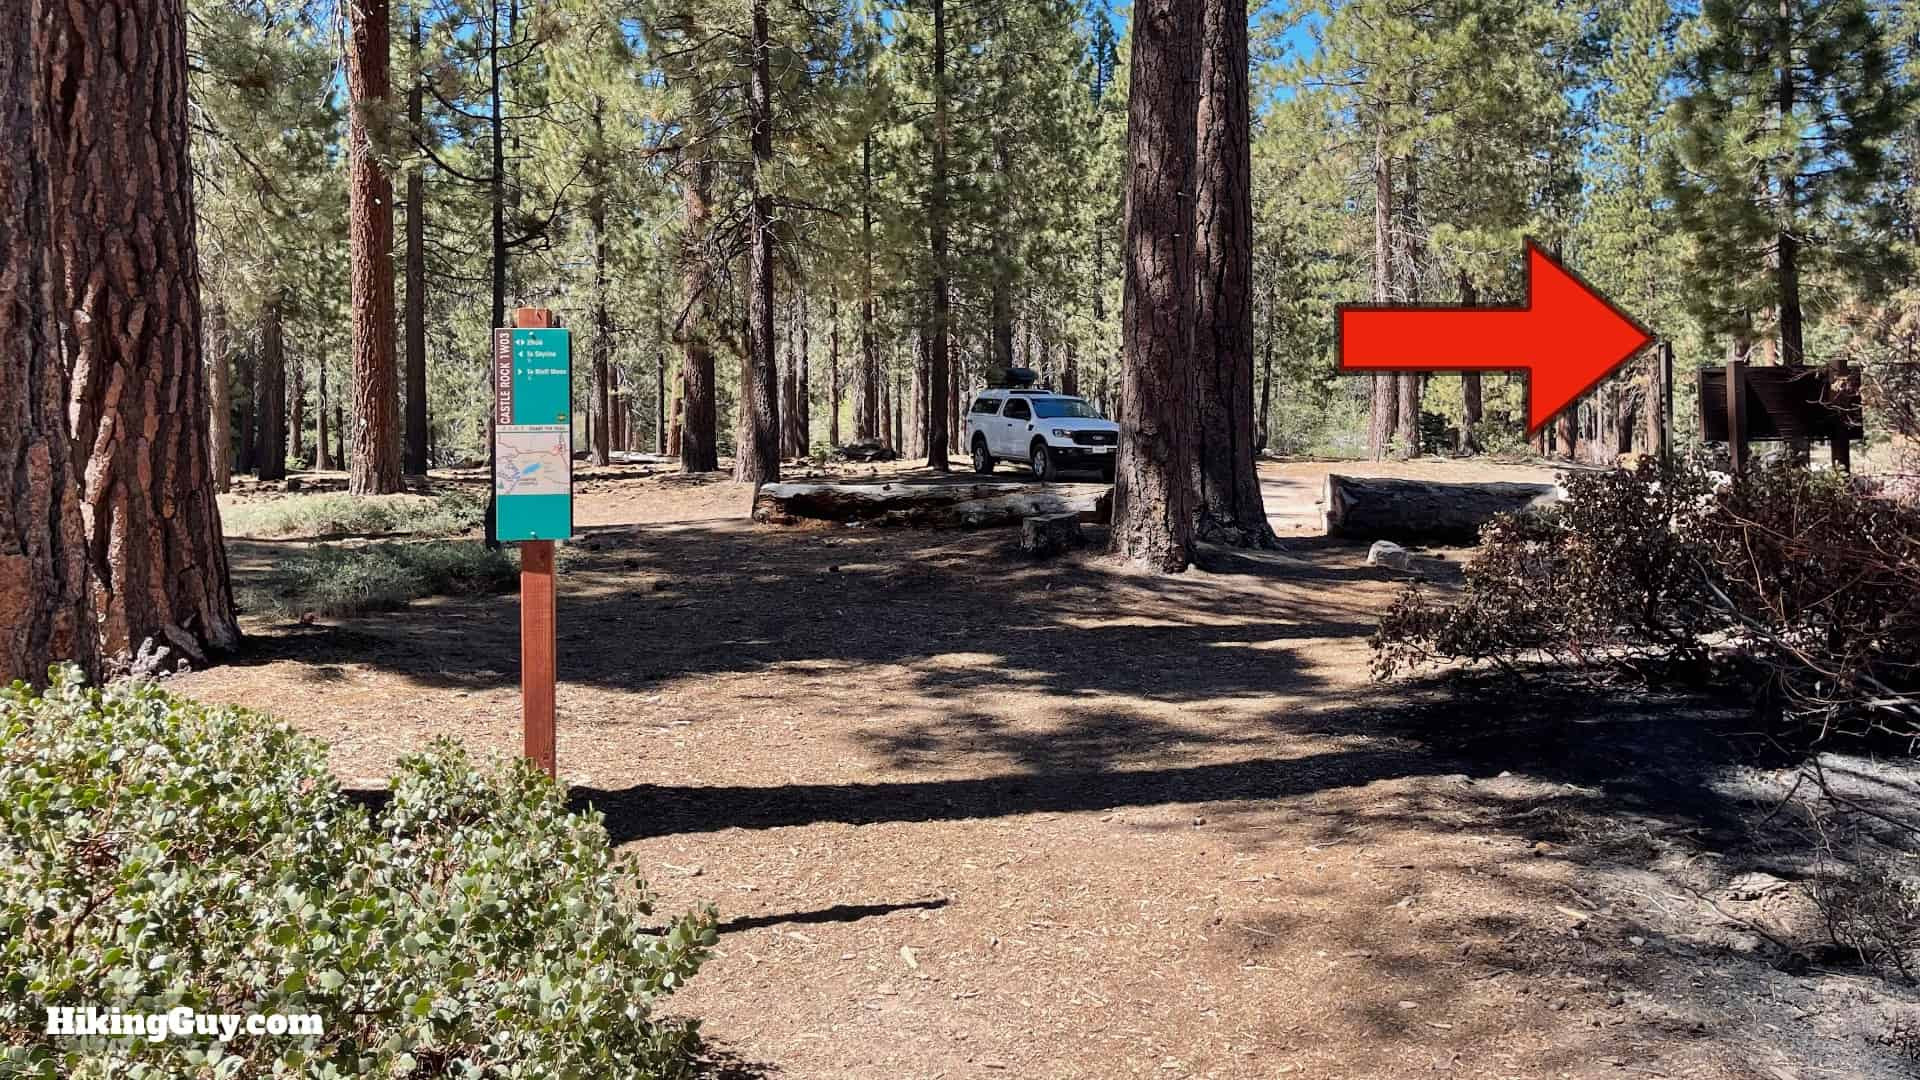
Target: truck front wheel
point(1043, 466)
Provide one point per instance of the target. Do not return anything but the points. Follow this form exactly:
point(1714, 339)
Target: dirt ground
point(967, 815)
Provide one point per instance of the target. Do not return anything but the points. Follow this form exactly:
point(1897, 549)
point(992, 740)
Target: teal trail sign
point(532, 435)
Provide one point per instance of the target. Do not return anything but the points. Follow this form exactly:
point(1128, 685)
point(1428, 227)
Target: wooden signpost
point(533, 496)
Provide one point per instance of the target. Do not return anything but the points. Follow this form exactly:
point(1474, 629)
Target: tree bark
point(698, 440)
point(791, 439)
point(244, 366)
point(938, 225)
point(803, 389)
point(600, 394)
point(1229, 508)
point(1471, 398)
point(416, 462)
point(757, 458)
point(271, 392)
point(1153, 498)
point(375, 467)
point(868, 420)
point(1410, 251)
point(44, 586)
point(834, 389)
point(1264, 417)
point(113, 136)
point(296, 412)
point(659, 396)
point(1384, 411)
point(917, 396)
point(322, 447)
point(220, 408)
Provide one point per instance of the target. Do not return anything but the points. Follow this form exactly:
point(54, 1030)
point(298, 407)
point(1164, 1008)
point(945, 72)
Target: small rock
point(1636, 942)
point(1388, 554)
point(1558, 1004)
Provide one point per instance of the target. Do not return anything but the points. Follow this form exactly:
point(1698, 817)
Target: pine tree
point(1783, 128)
point(375, 465)
point(1153, 500)
point(138, 395)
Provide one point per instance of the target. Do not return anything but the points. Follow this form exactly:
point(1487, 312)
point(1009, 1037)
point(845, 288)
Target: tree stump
point(1422, 511)
point(1045, 535)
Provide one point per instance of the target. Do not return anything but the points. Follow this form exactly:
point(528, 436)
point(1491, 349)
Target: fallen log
point(950, 506)
point(1422, 511)
point(866, 450)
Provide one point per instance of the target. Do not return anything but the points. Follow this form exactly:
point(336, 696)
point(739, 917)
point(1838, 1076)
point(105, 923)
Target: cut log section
point(1422, 511)
point(937, 506)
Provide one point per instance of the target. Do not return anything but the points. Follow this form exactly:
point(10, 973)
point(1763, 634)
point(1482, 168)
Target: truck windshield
point(1065, 406)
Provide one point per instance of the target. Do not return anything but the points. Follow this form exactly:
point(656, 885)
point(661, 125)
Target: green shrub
point(347, 580)
point(155, 853)
point(355, 515)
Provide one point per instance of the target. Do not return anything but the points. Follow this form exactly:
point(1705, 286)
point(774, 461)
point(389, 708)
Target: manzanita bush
point(1800, 585)
point(156, 852)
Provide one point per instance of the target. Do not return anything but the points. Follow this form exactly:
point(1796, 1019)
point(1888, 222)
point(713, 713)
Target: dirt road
point(966, 815)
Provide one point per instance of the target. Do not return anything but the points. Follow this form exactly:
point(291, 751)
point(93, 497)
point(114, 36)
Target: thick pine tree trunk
point(220, 407)
point(375, 466)
point(757, 459)
point(271, 392)
point(937, 218)
point(44, 589)
point(697, 442)
point(416, 314)
point(1229, 507)
point(113, 136)
point(1153, 498)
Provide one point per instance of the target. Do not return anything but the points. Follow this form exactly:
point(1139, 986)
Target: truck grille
point(1095, 438)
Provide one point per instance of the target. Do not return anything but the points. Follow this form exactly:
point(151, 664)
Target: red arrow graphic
point(1567, 338)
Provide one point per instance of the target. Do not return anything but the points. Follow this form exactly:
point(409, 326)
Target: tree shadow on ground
point(642, 606)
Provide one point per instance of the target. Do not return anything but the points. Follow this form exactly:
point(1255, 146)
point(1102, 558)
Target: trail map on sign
point(533, 460)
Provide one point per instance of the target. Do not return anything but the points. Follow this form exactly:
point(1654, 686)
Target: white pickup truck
point(1050, 432)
